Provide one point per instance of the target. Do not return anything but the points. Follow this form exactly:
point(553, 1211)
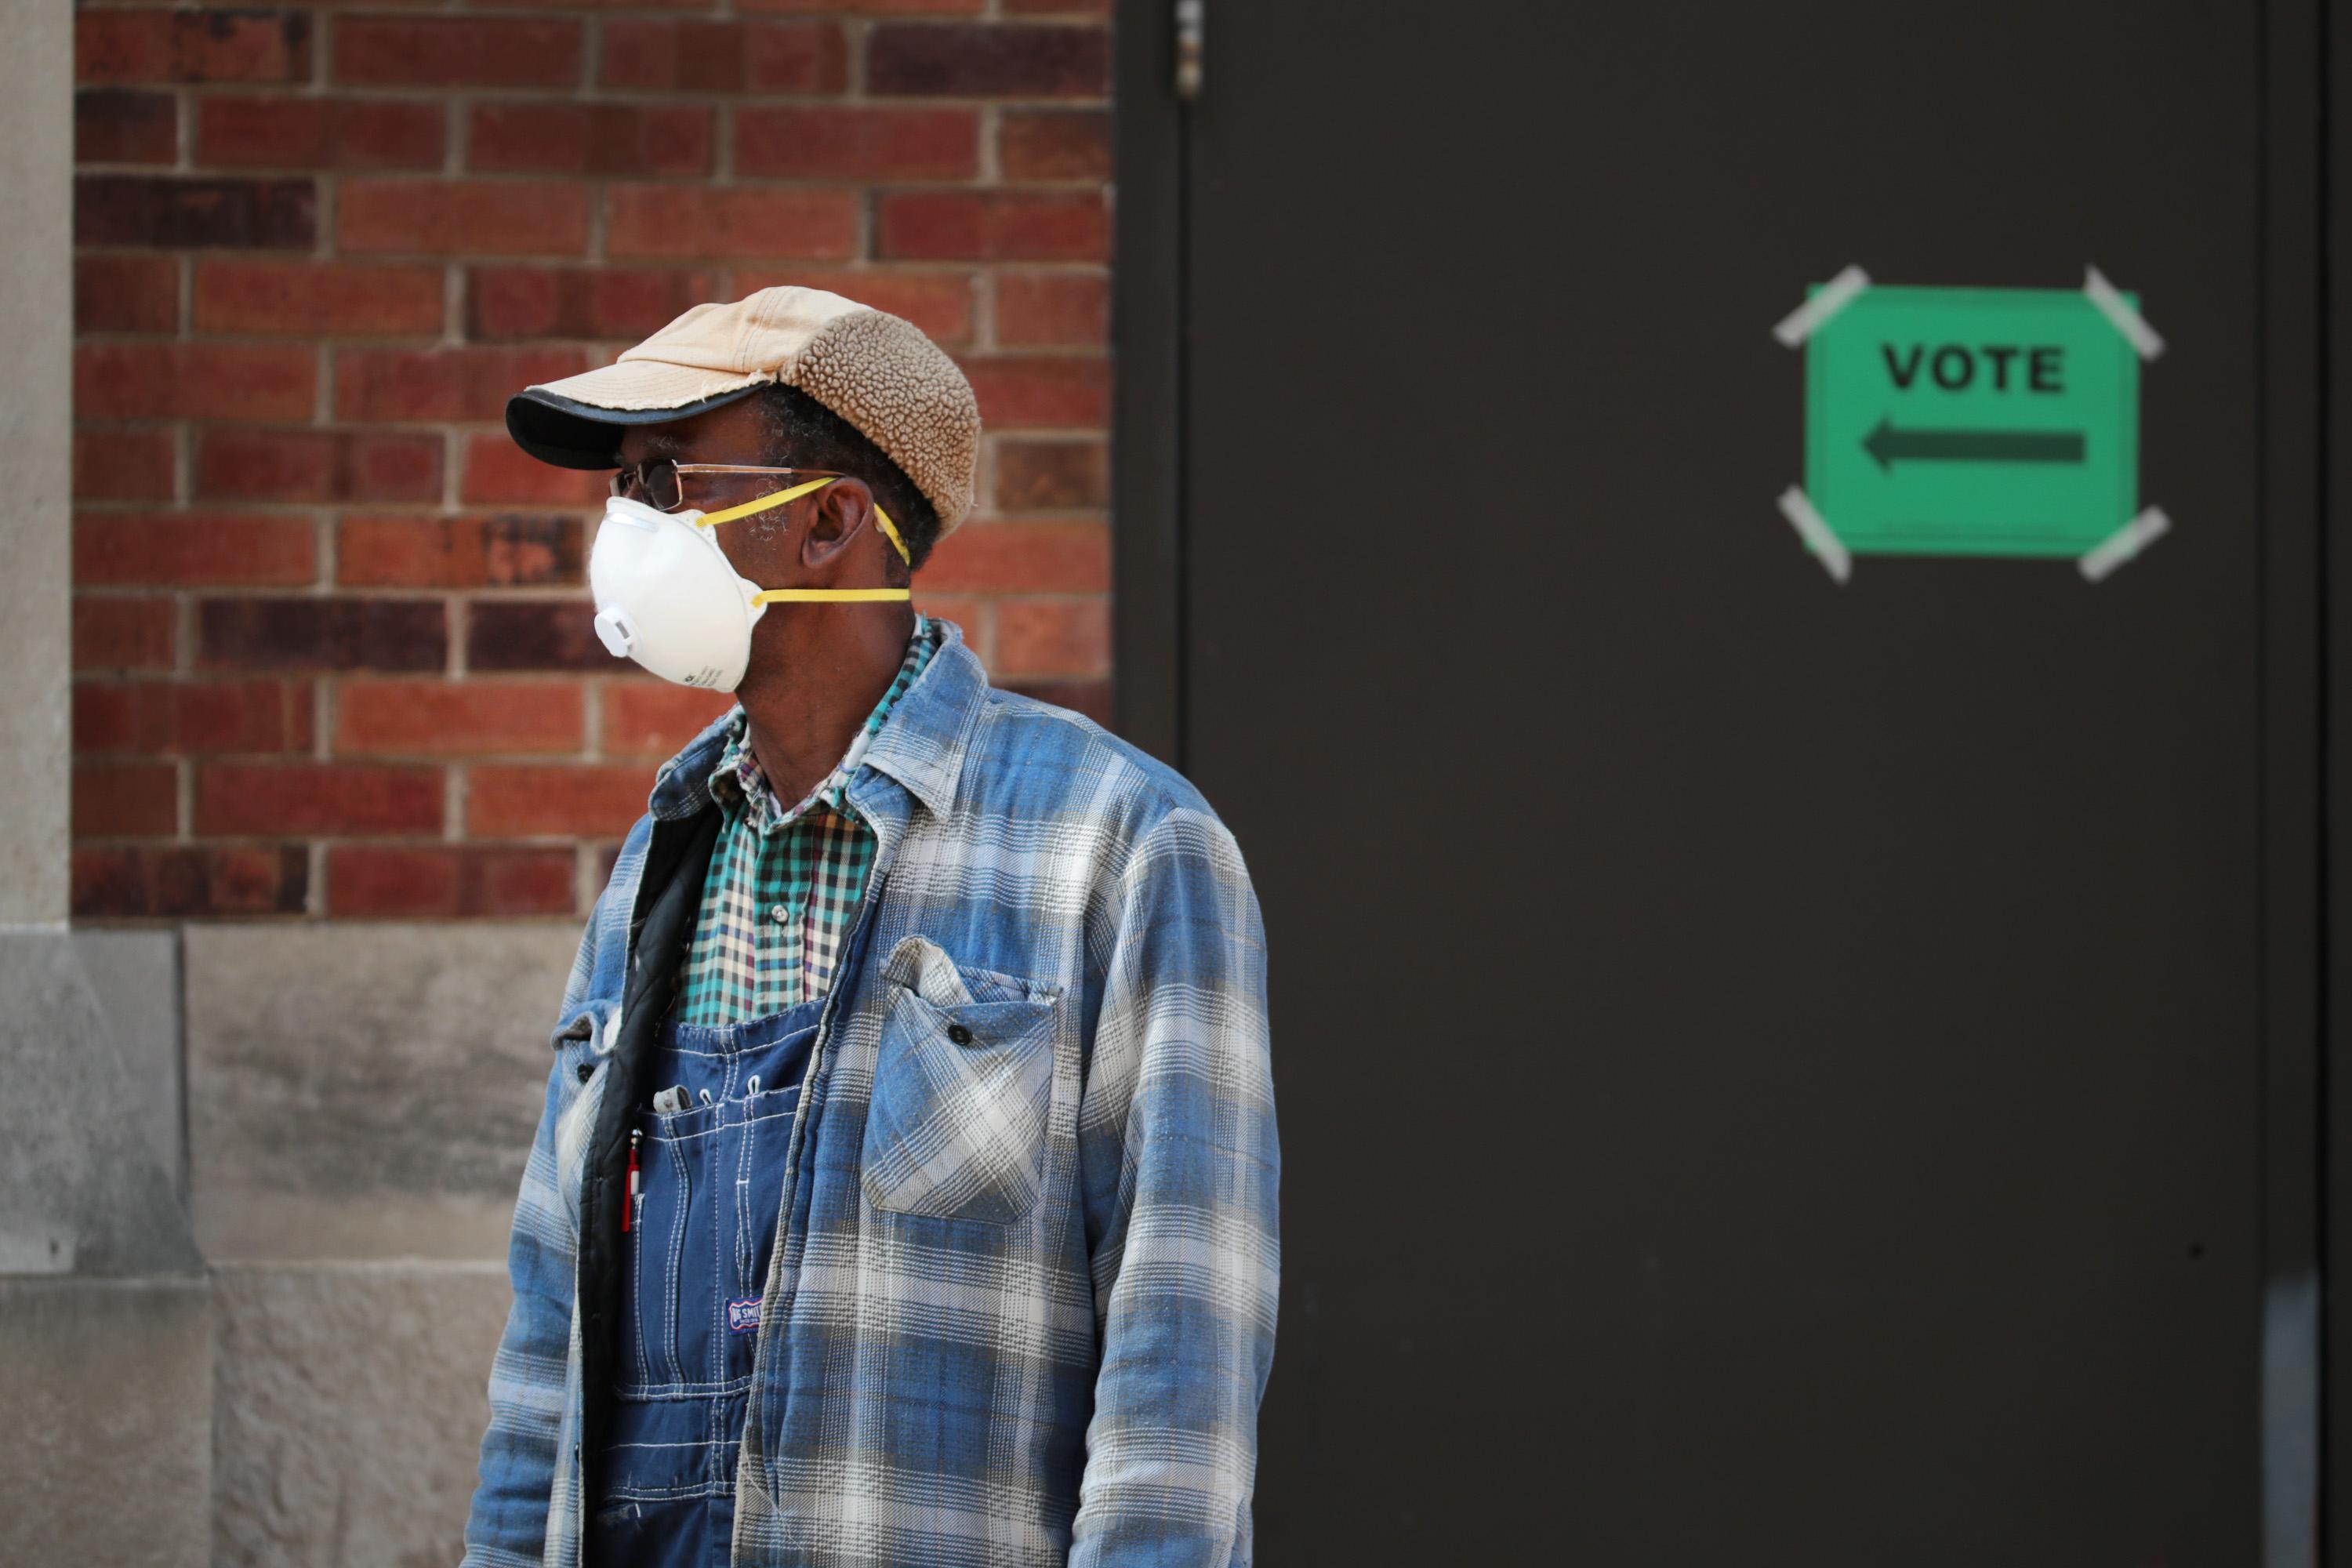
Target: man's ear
point(837, 514)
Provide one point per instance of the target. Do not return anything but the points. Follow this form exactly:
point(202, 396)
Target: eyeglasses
point(661, 483)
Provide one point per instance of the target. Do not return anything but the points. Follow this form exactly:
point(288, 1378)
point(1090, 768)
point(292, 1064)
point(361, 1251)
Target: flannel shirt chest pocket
point(960, 1122)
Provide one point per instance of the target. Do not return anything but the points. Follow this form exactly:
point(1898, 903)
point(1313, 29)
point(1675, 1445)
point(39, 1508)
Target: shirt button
point(959, 1034)
point(782, 914)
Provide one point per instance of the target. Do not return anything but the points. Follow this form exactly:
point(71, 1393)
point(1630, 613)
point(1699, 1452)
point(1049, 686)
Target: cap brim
point(570, 434)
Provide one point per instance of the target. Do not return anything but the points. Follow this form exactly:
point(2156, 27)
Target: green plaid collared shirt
point(783, 885)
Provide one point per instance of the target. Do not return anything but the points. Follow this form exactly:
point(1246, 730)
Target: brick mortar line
point(281, 507)
point(906, 269)
point(984, 315)
point(943, 269)
point(592, 723)
point(990, 12)
point(261, 841)
point(856, 34)
point(111, 166)
point(459, 434)
point(595, 95)
point(349, 840)
point(491, 674)
point(304, 593)
point(291, 256)
point(992, 18)
point(439, 338)
point(183, 126)
point(875, 186)
point(325, 422)
point(991, 168)
point(458, 625)
point(902, 185)
point(421, 343)
point(909, 267)
point(322, 47)
point(457, 135)
point(325, 540)
point(480, 680)
point(999, 520)
point(183, 459)
point(482, 511)
point(592, 53)
point(397, 759)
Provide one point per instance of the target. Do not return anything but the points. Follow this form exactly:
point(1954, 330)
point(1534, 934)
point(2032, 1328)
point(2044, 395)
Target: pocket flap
point(923, 966)
point(591, 1026)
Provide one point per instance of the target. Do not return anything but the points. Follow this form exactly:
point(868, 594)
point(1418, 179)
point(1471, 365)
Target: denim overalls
point(699, 1238)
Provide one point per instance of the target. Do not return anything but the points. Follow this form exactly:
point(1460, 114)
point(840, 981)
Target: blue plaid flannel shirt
point(1022, 1306)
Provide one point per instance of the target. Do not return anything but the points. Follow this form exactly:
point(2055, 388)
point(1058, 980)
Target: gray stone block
point(36, 127)
point(366, 1091)
point(349, 1409)
point(108, 1387)
point(81, 1189)
point(135, 975)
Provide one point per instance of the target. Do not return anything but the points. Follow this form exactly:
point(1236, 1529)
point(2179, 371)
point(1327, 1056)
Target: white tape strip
point(1810, 316)
point(1798, 508)
point(2118, 311)
point(2124, 543)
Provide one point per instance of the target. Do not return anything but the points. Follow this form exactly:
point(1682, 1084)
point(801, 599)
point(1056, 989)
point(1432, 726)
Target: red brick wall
point(333, 654)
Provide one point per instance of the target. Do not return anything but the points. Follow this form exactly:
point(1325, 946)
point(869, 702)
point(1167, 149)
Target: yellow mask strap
point(881, 518)
point(713, 519)
point(890, 532)
point(831, 595)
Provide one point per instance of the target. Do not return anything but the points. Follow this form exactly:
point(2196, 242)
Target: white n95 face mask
point(667, 596)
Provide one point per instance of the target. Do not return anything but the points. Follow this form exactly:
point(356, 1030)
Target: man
point(904, 1192)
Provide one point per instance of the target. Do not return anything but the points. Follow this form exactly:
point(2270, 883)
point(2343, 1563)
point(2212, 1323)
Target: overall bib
point(710, 1153)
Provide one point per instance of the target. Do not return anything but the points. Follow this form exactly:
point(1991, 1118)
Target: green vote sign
point(1973, 421)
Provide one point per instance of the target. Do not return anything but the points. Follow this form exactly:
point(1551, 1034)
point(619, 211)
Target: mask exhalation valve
point(612, 628)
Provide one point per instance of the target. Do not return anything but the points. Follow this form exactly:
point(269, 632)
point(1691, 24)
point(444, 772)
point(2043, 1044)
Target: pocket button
point(959, 1034)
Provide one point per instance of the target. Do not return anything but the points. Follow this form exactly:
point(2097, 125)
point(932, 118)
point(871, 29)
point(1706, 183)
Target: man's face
point(759, 547)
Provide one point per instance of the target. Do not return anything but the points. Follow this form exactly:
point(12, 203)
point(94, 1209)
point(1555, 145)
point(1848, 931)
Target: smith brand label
point(1972, 422)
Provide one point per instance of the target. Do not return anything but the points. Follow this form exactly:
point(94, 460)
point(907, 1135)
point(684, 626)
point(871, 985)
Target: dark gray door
point(1770, 1071)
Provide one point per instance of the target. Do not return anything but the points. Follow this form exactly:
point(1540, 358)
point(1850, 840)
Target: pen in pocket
point(635, 1195)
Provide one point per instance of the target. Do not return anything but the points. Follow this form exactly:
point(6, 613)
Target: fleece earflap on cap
point(891, 383)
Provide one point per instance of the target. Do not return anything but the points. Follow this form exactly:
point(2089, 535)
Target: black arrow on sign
point(1886, 444)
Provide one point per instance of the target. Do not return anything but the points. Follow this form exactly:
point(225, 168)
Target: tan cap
point(898, 389)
